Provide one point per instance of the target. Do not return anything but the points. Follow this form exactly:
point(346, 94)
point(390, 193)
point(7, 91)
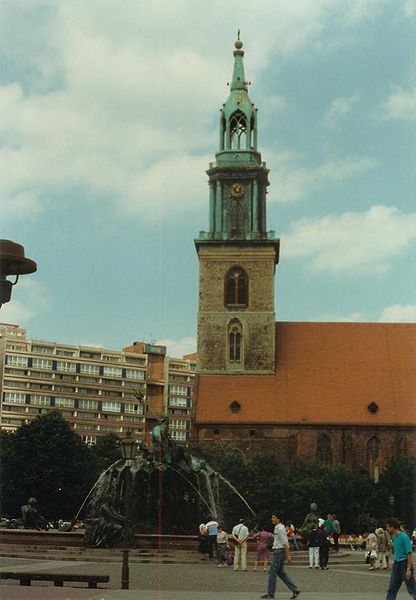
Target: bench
point(57, 578)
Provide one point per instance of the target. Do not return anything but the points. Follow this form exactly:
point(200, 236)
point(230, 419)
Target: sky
point(110, 118)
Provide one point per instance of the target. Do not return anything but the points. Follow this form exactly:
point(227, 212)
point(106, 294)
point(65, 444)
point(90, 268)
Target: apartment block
point(95, 389)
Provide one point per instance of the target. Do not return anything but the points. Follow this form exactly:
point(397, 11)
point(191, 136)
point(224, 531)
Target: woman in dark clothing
point(323, 543)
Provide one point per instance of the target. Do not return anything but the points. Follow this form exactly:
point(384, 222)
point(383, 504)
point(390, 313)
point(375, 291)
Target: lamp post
point(392, 501)
point(128, 448)
point(12, 262)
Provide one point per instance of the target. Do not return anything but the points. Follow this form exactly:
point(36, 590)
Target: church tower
point(237, 255)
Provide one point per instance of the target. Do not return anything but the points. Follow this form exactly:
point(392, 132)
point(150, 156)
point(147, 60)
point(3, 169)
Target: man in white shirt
point(281, 553)
point(212, 529)
point(240, 536)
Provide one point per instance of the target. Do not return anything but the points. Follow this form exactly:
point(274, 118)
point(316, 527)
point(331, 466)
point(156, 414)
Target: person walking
point(323, 544)
point(265, 541)
point(222, 545)
point(240, 537)
point(212, 529)
point(291, 534)
point(371, 545)
point(313, 549)
point(382, 542)
point(402, 570)
point(280, 555)
point(336, 530)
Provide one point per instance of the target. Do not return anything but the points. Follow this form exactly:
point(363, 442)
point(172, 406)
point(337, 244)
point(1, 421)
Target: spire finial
point(238, 44)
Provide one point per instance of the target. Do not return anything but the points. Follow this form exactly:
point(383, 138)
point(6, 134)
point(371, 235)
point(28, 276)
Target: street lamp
point(128, 447)
point(12, 262)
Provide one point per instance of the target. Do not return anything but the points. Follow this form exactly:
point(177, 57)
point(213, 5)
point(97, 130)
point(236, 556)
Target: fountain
point(171, 492)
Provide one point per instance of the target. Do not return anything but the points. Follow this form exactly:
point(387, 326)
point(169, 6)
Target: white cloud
point(352, 242)
point(399, 313)
point(293, 181)
point(30, 299)
point(339, 108)
point(109, 96)
point(400, 105)
point(178, 348)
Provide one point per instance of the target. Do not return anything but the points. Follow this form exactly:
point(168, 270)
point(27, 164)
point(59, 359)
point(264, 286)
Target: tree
point(47, 460)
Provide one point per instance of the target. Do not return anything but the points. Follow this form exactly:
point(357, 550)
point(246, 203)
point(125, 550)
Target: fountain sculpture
point(171, 491)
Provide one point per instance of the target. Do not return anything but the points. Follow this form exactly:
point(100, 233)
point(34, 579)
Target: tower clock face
point(237, 190)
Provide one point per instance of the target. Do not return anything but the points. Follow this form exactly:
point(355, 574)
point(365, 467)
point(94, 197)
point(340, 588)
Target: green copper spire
point(238, 178)
point(238, 81)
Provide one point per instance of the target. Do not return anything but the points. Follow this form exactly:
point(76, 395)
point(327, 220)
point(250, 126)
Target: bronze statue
point(31, 517)
point(311, 521)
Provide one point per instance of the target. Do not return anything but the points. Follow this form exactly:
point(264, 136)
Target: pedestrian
point(265, 541)
point(222, 546)
point(371, 556)
point(402, 570)
point(313, 549)
point(212, 529)
point(203, 546)
point(281, 553)
point(336, 530)
point(382, 544)
point(291, 534)
point(240, 537)
point(323, 544)
point(329, 524)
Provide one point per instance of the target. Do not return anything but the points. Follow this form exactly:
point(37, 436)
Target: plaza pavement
point(349, 581)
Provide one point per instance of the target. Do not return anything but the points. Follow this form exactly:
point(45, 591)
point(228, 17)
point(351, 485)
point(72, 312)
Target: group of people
point(232, 549)
point(234, 546)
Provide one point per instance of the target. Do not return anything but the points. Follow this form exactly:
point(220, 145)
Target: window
point(86, 426)
point(87, 415)
point(135, 361)
point(15, 409)
point(111, 406)
point(133, 419)
point(41, 374)
point(134, 374)
point(42, 363)
point(133, 408)
point(89, 404)
point(15, 372)
point(17, 361)
point(88, 391)
point(92, 355)
point(14, 397)
point(63, 365)
point(235, 407)
point(234, 341)
point(15, 384)
point(85, 379)
point(91, 440)
point(111, 393)
point(105, 428)
point(179, 436)
point(40, 400)
point(8, 421)
point(324, 450)
point(64, 402)
point(62, 352)
point(373, 457)
point(238, 129)
point(18, 347)
point(42, 350)
point(89, 369)
point(236, 288)
point(175, 401)
point(177, 424)
point(178, 389)
point(112, 371)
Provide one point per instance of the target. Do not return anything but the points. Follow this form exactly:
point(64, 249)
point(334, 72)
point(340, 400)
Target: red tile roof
point(327, 373)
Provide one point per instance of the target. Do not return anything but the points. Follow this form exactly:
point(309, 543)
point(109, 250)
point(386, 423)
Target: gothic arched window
point(235, 339)
point(236, 288)
point(238, 130)
point(373, 458)
point(324, 450)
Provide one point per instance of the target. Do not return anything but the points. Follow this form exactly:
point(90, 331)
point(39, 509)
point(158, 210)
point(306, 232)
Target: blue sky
point(109, 120)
